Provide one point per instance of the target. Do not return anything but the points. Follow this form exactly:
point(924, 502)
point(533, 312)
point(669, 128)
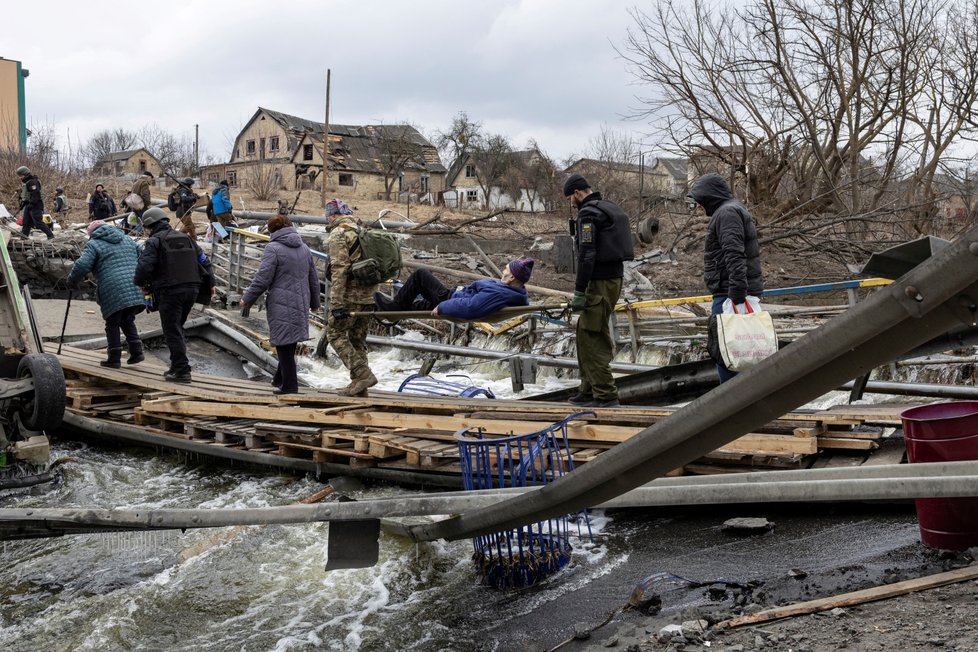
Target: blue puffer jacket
point(482, 298)
point(288, 273)
point(111, 256)
point(221, 200)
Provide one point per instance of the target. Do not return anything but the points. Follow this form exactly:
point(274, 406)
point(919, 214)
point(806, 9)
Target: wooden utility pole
point(325, 174)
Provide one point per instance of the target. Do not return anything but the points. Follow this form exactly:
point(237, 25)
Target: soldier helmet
point(59, 189)
point(189, 181)
point(23, 171)
point(153, 215)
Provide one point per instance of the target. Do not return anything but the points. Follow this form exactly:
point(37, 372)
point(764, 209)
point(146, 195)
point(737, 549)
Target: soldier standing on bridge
point(348, 334)
point(604, 242)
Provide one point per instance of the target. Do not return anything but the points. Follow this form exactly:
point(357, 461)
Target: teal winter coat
point(111, 256)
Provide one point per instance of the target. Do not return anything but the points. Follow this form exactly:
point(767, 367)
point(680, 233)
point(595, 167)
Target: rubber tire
point(47, 409)
point(647, 230)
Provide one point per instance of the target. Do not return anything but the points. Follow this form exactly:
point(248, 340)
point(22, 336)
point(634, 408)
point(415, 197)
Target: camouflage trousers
point(349, 337)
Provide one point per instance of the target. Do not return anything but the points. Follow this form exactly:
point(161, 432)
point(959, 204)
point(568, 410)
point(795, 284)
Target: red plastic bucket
point(944, 432)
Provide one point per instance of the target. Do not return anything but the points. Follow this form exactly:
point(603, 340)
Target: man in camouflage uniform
point(347, 334)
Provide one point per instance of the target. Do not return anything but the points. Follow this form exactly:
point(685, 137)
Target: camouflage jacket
point(343, 252)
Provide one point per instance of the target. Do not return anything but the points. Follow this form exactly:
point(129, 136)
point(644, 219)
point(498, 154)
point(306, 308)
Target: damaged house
point(367, 162)
point(128, 163)
point(522, 180)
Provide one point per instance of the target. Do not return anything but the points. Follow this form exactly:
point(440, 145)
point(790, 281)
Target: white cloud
point(542, 69)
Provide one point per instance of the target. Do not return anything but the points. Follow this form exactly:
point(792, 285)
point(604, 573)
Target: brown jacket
point(141, 188)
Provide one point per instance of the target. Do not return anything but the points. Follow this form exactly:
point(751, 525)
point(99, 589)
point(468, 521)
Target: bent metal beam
point(938, 295)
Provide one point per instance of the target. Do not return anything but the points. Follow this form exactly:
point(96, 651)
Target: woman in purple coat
point(288, 274)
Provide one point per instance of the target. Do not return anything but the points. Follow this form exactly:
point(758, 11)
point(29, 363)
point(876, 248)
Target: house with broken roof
point(128, 163)
point(658, 177)
point(368, 162)
point(372, 161)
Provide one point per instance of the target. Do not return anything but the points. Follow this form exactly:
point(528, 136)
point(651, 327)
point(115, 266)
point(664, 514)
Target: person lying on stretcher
point(422, 291)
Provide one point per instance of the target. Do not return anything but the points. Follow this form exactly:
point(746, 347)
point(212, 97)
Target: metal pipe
point(36, 522)
point(485, 354)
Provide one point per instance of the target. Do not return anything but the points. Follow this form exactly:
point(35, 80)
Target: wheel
point(647, 230)
point(46, 408)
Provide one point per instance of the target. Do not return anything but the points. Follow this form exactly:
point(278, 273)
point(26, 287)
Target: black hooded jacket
point(732, 255)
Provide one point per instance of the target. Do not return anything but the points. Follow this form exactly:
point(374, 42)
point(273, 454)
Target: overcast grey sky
point(542, 69)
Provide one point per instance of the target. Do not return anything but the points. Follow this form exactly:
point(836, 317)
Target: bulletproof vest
point(178, 259)
point(615, 244)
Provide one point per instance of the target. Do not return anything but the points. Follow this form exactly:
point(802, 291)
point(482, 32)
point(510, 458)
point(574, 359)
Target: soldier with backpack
point(181, 201)
point(346, 333)
point(172, 268)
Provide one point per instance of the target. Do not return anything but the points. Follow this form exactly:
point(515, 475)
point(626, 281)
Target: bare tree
point(107, 141)
point(492, 157)
point(533, 174)
point(176, 155)
point(839, 107)
point(397, 146)
point(455, 143)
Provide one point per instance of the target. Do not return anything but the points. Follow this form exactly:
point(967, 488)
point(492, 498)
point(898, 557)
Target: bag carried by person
point(135, 202)
point(173, 201)
point(741, 340)
point(381, 257)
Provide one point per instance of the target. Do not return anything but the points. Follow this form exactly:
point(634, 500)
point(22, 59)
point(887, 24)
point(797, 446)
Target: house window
point(307, 152)
point(424, 184)
point(261, 146)
point(232, 178)
point(346, 179)
point(213, 176)
point(273, 144)
point(142, 166)
point(250, 147)
point(469, 171)
point(471, 196)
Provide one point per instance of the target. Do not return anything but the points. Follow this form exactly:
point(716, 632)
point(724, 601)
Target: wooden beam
point(854, 598)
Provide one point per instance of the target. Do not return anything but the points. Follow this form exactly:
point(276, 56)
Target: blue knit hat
point(521, 268)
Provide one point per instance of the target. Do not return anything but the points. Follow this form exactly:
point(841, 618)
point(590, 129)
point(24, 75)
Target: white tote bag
point(746, 338)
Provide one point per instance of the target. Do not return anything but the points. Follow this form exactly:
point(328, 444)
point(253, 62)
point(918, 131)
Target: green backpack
point(381, 258)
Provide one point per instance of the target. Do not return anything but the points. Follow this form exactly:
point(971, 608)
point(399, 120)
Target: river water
point(264, 588)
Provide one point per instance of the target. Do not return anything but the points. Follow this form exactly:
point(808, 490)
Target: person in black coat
point(732, 254)
point(101, 206)
point(172, 268)
point(32, 203)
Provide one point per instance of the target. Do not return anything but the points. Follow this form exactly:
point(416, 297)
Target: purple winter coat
point(289, 275)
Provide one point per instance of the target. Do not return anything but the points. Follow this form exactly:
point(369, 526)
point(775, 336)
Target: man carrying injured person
point(475, 300)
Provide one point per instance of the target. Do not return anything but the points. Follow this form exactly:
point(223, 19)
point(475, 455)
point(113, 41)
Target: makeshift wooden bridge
point(394, 432)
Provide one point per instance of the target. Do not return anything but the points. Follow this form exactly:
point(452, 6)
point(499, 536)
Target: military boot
point(362, 378)
point(135, 352)
point(114, 361)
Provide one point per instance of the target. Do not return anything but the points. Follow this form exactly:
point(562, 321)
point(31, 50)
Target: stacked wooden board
point(416, 432)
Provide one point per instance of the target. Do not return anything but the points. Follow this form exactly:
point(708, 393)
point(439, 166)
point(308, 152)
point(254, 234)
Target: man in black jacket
point(731, 255)
point(31, 203)
point(101, 206)
point(171, 267)
point(604, 242)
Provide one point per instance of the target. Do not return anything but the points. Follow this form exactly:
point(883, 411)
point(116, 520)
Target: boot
point(362, 379)
point(135, 352)
point(114, 361)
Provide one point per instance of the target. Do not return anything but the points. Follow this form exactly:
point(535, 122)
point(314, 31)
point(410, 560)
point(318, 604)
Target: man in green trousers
point(604, 242)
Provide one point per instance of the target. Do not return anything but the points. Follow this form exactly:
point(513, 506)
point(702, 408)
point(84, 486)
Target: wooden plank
point(854, 598)
point(847, 444)
point(761, 444)
point(891, 451)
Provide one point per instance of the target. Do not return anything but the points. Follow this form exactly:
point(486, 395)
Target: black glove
point(340, 313)
point(245, 309)
point(737, 299)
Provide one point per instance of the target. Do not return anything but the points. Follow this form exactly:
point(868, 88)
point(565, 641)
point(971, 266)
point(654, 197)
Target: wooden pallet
point(84, 397)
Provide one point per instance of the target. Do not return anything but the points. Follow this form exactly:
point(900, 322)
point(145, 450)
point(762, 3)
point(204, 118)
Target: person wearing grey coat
point(288, 274)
